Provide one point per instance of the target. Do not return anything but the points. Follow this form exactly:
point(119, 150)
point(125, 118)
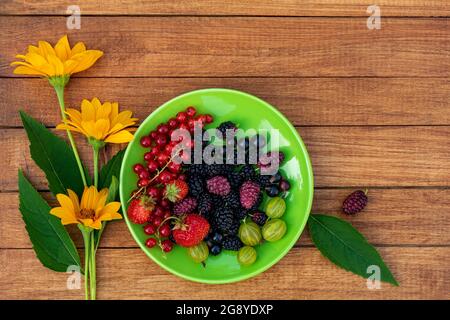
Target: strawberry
point(140, 209)
point(176, 190)
point(191, 230)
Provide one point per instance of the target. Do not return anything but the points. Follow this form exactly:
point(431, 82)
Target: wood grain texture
point(223, 46)
point(305, 101)
point(302, 274)
point(341, 156)
point(230, 7)
point(423, 219)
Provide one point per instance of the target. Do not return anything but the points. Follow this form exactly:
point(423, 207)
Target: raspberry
point(218, 185)
point(250, 194)
point(355, 202)
point(187, 205)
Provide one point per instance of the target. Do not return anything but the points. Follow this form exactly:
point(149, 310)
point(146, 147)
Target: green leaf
point(51, 242)
point(346, 247)
point(54, 156)
point(112, 168)
point(112, 195)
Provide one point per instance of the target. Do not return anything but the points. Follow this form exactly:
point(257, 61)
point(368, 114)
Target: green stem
point(96, 153)
point(92, 276)
point(60, 94)
point(87, 245)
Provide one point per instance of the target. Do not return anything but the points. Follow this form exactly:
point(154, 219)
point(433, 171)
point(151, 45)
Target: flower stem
point(92, 270)
point(96, 153)
point(87, 239)
point(60, 94)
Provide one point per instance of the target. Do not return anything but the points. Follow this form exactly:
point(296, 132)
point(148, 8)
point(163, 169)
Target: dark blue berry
point(272, 191)
point(215, 250)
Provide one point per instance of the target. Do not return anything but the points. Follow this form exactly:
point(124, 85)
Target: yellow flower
point(90, 212)
point(61, 60)
point(101, 122)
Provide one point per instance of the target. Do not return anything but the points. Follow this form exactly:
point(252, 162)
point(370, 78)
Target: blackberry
point(196, 186)
point(217, 202)
point(224, 221)
point(263, 180)
point(235, 179)
point(355, 202)
point(240, 213)
point(232, 200)
point(259, 218)
point(225, 127)
point(232, 243)
point(247, 172)
point(204, 204)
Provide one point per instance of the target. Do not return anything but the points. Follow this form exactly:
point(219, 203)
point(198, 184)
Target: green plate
point(250, 112)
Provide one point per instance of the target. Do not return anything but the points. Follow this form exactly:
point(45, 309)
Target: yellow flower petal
point(101, 129)
point(89, 198)
point(78, 48)
point(62, 48)
point(87, 60)
point(57, 65)
point(75, 201)
point(28, 71)
point(104, 111)
point(74, 115)
point(120, 137)
point(65, 216)
point(87, 110)
point(66, 203)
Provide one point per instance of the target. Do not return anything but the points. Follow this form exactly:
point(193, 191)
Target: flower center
point(87, 214)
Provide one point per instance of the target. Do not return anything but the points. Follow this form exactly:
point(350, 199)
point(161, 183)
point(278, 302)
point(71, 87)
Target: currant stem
point(60, 94)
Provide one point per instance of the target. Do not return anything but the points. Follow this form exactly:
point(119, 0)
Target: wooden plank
point(221, 46)
point(305, 101)
point(341, 156)
point(234, 7)
point(302, 274)
point(394, 216)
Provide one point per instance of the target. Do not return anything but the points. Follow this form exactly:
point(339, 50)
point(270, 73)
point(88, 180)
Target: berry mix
point(207, 208)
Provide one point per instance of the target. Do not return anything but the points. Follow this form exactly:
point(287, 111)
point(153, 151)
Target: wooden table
point(371, 105)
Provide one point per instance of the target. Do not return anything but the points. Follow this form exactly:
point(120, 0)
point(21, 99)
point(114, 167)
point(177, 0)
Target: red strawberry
point(176, 190)
point(140, 209)
point(191, 230)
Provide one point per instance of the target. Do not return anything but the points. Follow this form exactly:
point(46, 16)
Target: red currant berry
point(174, 167)
point(144, 174)
point(154, 151)
point(163, 158)
point(167, 215)
point(150, 219)
point(190, 111)
point(182, 177)
point(151, 242)
point(209, 118)
point(146, 142)
point(149, 229)
point(158, 212)
point(168, 149)
point(164, 230)
point(157, 221)
point(172, 123)
point(191, 123)
point(153, 134)
point(161, 140)
point(164, 203)
point(183, 126)
point(181, 117)
point(154, 192)
point(142, 183)
point(148, 156)
point(165, 177)
point(152, 166)
point(163, 129)
point(138, 168)
point(166, 245)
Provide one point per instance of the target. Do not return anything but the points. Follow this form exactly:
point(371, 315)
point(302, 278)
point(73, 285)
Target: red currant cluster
point(159, 170)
